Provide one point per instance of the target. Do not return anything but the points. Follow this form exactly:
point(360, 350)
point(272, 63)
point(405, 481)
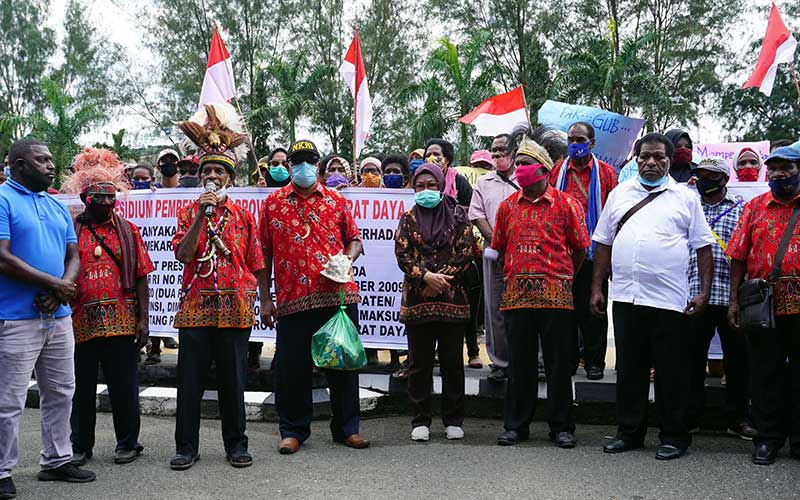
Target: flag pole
point(525, 102)
point(252, 159)
point(794, 77)
point(355, 100)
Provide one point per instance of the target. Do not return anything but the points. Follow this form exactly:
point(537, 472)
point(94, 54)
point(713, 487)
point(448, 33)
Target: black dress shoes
point(594, 373)
point(183, 462)
point(670, 452)
point(510, 438)
point(240, 459)
point(565, 440)
point(764, 454)
point(617, 445)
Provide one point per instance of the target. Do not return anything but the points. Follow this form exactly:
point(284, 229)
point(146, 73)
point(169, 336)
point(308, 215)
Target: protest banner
point(615, 133)
point(728, 151)
point(376, 212)
point(379, 279)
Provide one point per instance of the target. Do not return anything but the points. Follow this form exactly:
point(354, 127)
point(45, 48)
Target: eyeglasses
point(189, 170)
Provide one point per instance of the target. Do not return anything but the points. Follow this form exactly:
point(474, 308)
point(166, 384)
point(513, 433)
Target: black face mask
point(169, 169)
point(189, 181)
point(709, 187)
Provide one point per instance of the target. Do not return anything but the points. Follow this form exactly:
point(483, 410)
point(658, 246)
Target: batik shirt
point(537, 239)
point(415, 259)
point(225, 298)
point(300, 235)
point(755, 242)
point(101, 307)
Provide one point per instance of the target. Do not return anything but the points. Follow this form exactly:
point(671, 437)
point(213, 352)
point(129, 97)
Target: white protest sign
point(380, 280)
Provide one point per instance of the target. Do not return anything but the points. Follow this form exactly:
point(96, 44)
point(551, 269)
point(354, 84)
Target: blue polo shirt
point(39, 228)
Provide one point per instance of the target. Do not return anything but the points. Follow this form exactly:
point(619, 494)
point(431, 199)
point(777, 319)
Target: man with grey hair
point(722, 212)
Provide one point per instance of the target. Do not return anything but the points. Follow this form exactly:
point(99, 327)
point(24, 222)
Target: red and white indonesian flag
point(498, 114)
point(355, 76)
point(778, 47)
point(218, 84)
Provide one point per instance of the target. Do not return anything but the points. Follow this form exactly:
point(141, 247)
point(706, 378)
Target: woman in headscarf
point(370, 173)
point(272, 171)
point(681, 168)
point(434, 247)
point(335, 172)
point(747, 165)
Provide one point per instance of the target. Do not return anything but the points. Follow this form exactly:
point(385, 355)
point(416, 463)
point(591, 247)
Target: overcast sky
point(120, 25)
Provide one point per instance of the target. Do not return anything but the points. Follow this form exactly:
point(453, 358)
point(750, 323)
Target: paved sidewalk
point(395, 468)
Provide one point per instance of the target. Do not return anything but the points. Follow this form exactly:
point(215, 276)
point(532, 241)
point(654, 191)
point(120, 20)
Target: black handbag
point(756, 297)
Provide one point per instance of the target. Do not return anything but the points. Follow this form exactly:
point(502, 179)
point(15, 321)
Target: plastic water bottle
point(48, 321)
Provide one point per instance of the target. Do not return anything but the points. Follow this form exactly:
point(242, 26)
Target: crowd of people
point(554, 232)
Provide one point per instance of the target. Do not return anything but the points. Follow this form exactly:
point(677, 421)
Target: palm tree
point(59, 125)
point(611, 74)
point(286, 90)
point(460, 79)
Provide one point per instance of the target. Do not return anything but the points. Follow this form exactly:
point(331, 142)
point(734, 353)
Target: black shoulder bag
point(756, 297)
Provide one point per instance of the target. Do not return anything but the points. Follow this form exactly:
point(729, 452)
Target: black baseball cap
point(303, 147)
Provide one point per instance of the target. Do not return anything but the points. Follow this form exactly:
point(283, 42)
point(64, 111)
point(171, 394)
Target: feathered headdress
point(216, 129)
point(96, 167)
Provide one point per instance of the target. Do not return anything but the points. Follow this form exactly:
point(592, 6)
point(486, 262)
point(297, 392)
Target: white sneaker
point(420, 433)
point(454, 432)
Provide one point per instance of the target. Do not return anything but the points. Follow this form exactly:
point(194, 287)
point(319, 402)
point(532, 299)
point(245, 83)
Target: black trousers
point(556, 328)
point(735, 358)
point(474, 296)
point(293, 382)
point(593, 330)
point(119, 358)
point(227, 347)
point(776, 383)
point(422, 341)
point(651, 337)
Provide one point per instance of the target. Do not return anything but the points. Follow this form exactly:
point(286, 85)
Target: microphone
point(210, 188)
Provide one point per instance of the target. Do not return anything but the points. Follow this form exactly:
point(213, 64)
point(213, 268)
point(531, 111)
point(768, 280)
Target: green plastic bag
point(336, 346)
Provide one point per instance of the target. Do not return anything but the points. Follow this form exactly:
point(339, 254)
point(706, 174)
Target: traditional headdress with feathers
point(96, 167)
point(216, 129)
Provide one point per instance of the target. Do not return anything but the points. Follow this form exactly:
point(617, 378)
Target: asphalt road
point(718, 466)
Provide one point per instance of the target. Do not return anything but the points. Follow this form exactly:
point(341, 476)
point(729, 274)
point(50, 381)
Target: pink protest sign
point(728, 151)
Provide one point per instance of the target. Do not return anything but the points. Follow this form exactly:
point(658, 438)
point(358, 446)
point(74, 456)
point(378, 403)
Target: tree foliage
point(458, 79)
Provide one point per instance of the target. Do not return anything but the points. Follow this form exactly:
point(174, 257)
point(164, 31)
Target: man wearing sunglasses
point(188, 169)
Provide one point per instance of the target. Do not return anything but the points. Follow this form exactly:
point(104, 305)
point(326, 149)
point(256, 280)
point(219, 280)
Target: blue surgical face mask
point(393, 181)
point(7, 172)
point(656, 183)
point(414, 164)
point(786, 187)
point(579, 150)
point(141, 184)
point(304, 174)
point(279, 173)
point(427, 198)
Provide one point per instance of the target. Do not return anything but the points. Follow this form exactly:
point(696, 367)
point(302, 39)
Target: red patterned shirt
point(101, 308)
point(229, 302)
point(578, 181)
point(755, 242)
point(300, 234)
point(537, 239)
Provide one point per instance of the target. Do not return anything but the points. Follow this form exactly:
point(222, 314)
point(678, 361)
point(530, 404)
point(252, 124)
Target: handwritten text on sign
point(376, 212)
